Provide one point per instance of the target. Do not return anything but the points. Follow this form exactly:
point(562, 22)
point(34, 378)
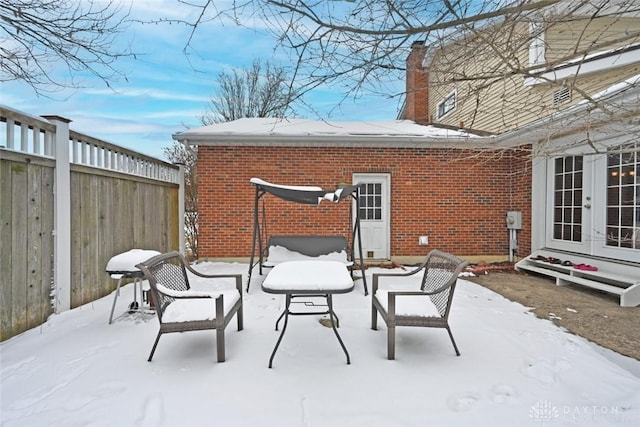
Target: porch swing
point(274, 249)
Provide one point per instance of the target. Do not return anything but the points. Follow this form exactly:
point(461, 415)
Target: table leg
point(284, 328)
point(333, 318)
point(280, 318)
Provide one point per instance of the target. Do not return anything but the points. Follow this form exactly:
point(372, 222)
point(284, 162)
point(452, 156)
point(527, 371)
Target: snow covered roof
point(622, 98)
point(300, 132)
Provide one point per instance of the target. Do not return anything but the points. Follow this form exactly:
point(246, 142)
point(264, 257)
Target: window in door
point(567, 199)
point(623, 196)
point(371, 201)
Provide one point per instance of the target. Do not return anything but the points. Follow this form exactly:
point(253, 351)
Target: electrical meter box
point(514, 220)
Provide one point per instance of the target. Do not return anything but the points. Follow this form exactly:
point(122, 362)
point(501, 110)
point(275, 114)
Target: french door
point(593, 203)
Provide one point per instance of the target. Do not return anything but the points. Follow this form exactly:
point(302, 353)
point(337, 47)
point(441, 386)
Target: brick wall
point(456, 197)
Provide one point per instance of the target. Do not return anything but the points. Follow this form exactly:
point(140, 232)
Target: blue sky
point(167, 91)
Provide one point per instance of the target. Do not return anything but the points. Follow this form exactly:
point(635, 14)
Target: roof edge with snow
point(304, 133)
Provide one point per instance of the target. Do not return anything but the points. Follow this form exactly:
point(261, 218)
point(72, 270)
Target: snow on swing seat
point(299, 248)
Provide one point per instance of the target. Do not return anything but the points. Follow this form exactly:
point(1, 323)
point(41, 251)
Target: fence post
point(62, 216)
point(181, 191)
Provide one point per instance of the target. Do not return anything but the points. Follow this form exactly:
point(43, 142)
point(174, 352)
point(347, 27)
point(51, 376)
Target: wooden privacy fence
point(68, 203)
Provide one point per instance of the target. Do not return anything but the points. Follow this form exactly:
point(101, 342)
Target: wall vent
point(561, 95)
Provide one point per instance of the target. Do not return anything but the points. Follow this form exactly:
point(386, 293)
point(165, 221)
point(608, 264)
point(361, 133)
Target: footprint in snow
point(152, 412)
point(463, 401)
point(544, 370)
point(502, 393)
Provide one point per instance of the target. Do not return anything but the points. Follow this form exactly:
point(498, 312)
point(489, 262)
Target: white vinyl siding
point(502, 103)
point(566, 39)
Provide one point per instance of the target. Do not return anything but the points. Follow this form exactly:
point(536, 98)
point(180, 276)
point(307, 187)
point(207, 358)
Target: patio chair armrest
point(237, 277)
point(210, 276)
point(407, 293)
point(190, 294)
point(376, 276)
point(407, 273)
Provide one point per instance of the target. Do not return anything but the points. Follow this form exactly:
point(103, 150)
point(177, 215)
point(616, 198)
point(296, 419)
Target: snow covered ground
point(515, 369)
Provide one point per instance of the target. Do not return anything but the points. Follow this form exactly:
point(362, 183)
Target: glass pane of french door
point(623, 197)
point(567, 199)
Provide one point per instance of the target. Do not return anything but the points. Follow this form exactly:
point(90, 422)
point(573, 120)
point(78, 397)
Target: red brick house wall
point(456, 197)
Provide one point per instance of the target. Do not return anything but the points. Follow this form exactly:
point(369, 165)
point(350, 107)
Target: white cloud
point(152, 93)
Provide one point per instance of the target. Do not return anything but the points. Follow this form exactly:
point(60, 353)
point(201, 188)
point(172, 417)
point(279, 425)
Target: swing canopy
point(309, 195)
point(303, 194)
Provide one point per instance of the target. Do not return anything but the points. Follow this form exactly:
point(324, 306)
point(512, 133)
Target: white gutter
point(373, 141)
point(592, 64)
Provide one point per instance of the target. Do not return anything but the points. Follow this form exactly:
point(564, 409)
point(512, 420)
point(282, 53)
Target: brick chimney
point(417, 86)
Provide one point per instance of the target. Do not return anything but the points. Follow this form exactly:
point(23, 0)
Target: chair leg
point(391, 342)
point(453, 342)
point(220, 344)
point(374, 317)
point(240, 318)
point(155, 344)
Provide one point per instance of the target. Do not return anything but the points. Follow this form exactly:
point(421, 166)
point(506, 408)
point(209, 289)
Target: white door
point(375, 223)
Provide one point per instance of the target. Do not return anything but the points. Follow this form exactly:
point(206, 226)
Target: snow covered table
point(123, 267)
point(307, 279)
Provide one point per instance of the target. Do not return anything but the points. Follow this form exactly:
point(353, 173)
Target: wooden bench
point(625, 287)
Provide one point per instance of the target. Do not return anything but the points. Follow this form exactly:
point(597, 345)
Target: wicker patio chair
point(427, 306)
point(181, 309)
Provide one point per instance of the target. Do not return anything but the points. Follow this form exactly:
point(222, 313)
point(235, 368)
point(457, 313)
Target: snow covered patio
point(515, 369)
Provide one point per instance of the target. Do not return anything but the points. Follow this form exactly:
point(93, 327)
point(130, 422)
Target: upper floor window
point(447, 105)
point(536, 44)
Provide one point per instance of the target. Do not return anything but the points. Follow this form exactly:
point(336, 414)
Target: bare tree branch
point(178, 153)
point(37, 35)
point(260, 91)
point(481, 48)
